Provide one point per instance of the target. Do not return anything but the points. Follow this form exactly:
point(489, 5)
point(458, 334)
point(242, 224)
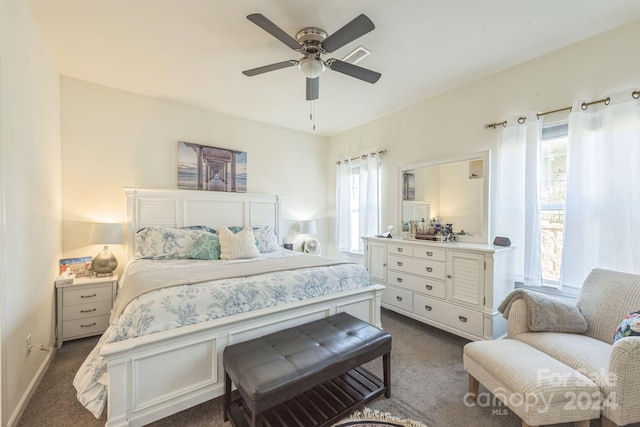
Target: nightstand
point(84, 307)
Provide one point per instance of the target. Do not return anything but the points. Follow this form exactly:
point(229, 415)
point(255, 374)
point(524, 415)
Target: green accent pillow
point(206, 247)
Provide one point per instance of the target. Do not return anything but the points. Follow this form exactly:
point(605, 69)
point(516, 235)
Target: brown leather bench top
point(274, 368)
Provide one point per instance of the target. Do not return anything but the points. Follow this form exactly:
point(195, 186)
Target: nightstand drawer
point(85, 295)
point(90, 309)
point(89, 326)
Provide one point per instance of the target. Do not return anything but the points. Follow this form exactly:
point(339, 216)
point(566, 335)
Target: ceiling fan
point(312, 43)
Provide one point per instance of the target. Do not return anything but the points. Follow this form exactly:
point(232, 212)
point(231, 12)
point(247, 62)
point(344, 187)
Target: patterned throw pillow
point(206, 247)
point(237, 246)
point(266, 239)
point(630, 326)
point(166, 243)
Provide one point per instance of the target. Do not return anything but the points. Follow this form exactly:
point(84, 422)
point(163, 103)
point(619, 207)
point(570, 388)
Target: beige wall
point(29, 203)
point(113, 139)
point(452, 124)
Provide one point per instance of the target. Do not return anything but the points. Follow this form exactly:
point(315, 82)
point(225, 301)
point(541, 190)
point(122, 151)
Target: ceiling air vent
point(357, 55)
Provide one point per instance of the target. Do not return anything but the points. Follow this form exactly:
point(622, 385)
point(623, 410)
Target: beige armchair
point(606, 297)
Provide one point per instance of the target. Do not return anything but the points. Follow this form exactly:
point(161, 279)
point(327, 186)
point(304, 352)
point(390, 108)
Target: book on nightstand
point(76, 267)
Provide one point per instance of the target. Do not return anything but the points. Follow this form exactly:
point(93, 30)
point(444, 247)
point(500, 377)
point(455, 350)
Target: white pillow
point(166, 243)
point(266, 239)
point(237, 246)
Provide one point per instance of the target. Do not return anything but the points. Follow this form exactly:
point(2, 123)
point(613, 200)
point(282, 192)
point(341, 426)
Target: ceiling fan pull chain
point(313, 114)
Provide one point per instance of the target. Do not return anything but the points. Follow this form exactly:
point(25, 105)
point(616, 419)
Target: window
point(357, 202)
point(553, 185)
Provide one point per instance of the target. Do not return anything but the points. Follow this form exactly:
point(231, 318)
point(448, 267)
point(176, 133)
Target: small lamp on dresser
point(105, 263)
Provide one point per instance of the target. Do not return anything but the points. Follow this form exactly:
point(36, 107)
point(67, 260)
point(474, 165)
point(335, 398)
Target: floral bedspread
point(177, 306)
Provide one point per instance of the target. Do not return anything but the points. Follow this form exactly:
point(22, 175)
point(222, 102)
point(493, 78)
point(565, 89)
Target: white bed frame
point(153, 376)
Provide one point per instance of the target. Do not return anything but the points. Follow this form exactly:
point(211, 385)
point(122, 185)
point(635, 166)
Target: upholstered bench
point(306, 375)
point(536, 387)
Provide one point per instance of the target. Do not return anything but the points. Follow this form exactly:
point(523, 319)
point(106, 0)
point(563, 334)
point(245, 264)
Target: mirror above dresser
point(448, 191)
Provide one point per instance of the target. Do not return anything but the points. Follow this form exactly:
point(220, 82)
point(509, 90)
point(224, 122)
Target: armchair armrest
point(622, 390)
point(517, 320)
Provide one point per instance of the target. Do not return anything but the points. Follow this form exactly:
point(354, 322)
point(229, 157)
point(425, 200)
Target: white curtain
point(369, 207)
point(602, 208)
point(518, 201)
point(366, 202)
point(343, 206)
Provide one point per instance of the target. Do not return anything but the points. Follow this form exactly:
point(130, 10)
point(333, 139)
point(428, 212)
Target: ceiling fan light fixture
point(311, 67)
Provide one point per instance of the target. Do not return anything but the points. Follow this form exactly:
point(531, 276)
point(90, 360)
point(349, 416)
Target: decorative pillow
point(166, 243)
point(630, 326)
point(199, 227)
point(266, 239)
point(237, 246)
point(206, 247)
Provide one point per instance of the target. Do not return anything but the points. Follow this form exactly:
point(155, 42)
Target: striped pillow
point(237, 246)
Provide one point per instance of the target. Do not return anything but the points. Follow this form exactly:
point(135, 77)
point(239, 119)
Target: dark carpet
point(428, 385)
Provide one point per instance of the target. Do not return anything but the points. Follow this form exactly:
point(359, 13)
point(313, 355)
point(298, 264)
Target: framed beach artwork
point(201, 167)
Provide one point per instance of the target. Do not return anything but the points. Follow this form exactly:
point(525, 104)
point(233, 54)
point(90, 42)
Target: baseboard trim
point(33, 385)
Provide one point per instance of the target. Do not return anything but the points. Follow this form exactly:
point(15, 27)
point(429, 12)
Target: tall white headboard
point(180, 208)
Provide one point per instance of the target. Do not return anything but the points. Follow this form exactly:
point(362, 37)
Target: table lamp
point(105, 234)
point(309, 244)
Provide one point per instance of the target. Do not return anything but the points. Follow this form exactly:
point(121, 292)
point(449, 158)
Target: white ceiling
point(193, 51)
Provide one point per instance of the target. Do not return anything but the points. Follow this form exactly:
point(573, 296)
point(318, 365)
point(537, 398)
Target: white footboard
point(154, 376)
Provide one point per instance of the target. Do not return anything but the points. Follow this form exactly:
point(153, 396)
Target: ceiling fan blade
point(313, 88)
point(272, 67)
point(261, 21)
point(358, 27)
point(353, 71)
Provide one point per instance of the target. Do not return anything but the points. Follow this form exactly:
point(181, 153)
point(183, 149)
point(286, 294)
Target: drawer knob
point(384, 265)
point(399, 279)
point(88, 326)
point(462, 319)
point(429, 253)
point(88, 296)
point(429, 269)
point(399, 298)
point(399, 263)
point(399, 249)
point(448, 276)
point(88, 311)
point(429, 287)
point(428, 307)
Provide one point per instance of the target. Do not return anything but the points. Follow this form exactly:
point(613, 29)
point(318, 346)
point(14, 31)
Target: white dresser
point(454, 286)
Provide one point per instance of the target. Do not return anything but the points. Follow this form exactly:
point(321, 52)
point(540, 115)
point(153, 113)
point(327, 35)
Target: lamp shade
point(308, 227)
point(105, 234)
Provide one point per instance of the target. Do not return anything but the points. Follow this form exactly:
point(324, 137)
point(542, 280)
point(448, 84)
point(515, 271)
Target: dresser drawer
point(85, 295)
point(81, 311)
point(394, 248)
point(398, 298)
point(89, 326)
point(461, 318)
point(423, 285)
point(430, 253)
point(422, 267)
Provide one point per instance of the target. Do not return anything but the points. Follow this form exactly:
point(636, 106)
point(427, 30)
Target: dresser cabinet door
point(377, 261)
point(465, 278)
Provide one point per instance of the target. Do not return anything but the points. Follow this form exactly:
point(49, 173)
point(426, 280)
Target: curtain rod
point(364, 156)
point(635, 94)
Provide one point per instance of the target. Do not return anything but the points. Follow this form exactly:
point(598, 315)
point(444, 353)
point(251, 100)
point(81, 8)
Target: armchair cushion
point(546, 313)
